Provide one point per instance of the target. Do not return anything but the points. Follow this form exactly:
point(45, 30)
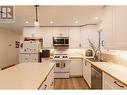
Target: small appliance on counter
point(45, 53)
point(89, 53)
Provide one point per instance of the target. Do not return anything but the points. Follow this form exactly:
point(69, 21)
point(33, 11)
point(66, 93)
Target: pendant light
point(36, 23)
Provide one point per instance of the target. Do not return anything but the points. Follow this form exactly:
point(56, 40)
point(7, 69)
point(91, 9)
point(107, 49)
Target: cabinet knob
point(45, 87)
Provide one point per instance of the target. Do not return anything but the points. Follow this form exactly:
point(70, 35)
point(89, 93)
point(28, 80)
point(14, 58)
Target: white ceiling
point(60, 15)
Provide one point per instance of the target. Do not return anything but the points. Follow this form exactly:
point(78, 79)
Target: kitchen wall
point(8, 53)
point(115, 56)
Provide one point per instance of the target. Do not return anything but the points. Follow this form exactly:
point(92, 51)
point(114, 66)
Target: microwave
point(60, 41)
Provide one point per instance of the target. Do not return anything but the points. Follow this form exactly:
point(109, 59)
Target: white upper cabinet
point(120, 27)
point(115, 28)
point(28, 32)
point(47, 37)
point(108, 27)
point(74, 37)
point(32, 32)
point(89, 32)
point(78, 36)
point(60, 31)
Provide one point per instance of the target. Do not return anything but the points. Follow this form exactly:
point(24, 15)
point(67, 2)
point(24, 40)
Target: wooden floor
point(71, 83)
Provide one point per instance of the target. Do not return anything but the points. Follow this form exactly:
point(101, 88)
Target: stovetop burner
point(61, 57)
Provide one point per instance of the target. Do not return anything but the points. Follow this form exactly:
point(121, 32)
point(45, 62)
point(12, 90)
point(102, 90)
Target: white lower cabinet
point(87, 72)
point(49, 81)
point(111, 83)
point(76, 67)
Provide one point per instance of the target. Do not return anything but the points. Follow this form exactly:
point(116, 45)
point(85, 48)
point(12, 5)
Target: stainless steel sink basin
point(94, 60)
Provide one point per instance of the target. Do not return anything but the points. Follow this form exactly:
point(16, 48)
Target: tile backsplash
point(115, 56)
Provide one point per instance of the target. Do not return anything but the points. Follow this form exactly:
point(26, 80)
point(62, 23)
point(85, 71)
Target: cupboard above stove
point(78, 36)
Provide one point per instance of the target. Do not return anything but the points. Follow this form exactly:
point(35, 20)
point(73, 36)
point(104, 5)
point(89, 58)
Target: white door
point(108, 27)
point(89, 32)
point(87, 72)
point(74, 37)
point(60, 31)
point(32, 32)
point(120, 27)
point(47, 33)
point(28, 32)
point(76, 67)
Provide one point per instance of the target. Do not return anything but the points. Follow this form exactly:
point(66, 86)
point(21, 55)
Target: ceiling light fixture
point(26, 22)
point(96, 18)
point(36, 23)
point(76, 22)
point(51, 22)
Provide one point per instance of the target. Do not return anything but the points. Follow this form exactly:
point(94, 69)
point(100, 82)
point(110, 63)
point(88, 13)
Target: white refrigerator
point(29, 51)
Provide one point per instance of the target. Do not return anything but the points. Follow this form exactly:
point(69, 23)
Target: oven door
point(61, 66)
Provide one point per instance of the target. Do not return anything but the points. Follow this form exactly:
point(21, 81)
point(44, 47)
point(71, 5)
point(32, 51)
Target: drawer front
point(111, 83)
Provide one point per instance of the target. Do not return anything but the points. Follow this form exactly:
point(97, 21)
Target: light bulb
point(76, 21)
point(51, 22)
point(36, 23)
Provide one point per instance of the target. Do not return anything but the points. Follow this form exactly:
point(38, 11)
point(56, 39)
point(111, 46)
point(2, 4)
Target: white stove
point(62, 65)
point(61, 57)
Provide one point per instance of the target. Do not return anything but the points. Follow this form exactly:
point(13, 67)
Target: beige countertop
point(24, 76)
point(79, 56)
point(116, 71)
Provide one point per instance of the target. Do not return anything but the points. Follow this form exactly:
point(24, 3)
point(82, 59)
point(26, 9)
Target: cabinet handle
point(85, 63)
point(52, 84)
point(45, 87)
point(118, 84)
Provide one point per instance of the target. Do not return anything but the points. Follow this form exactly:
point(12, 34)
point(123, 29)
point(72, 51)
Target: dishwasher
point(96, 78)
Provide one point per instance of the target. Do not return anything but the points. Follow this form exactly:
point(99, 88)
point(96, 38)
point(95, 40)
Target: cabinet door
point(61, 31)
point(87, 72)
point(28, 32)
point(49, 81)
point(108, 27)
point(76, 67)
point(120, 27)
point(74, 37)
point(32, 32)
point(89, 32)
point(47, 37)
point(111, 83)
point(84, 68)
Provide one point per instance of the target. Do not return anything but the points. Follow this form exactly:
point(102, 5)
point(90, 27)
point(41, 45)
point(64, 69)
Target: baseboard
point(8, 66)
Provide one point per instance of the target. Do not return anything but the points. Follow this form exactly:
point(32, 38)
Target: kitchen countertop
point(24, 76)
point(116, 71)
point(79, 56)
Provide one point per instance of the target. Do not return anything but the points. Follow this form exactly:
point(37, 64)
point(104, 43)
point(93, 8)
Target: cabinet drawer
point(111, 83)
